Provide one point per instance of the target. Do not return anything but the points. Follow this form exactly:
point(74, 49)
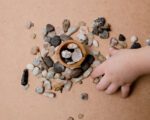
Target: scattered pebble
point(55, 41)
point(95, 43)
point(48, 61)
point(84, 96)
point(134, 39)
point(44, 73)
point(33, 35)
point(36, 71)
point(121, 37)
point(30, 66)
point(87, 73)
point(49, 94)
point(76, 72)
point(148, 42)
point(58, 87)
point(50, 74)
point(35, 50)
point(24, 78)
point(77, 55)
point(51, 34)
point(113, 42)
point(44, 52)
point(50, 28)
point(80, 116)
point(84, 30)
point(29, 24)
point(136, 45)
point(51, 50)
point(67, 86)
point(66, 25)
point(57, 75)
point(66, 54)
point(39, 90)
point(82, 37)
point(72, 46)
point(58, 68)
point(47, 85)
point(123, 44)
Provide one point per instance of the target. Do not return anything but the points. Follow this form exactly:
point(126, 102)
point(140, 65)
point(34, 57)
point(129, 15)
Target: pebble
point(67, 74)
point(65, 37)
point(47, 85)
point(44, 73)
point(77, 55)
point(87, 72)
point(148, 42)
point(72, 46)
point(96, 80)
point(66, 25)
point(36, 61)
point(58, 68)
point(106, 27)
point(136, 45)
point(44, 52)
point(76, 72)
point(95, 43)
point(47, 39)
point(122, 37)
point(104, 34)
point(62, 77)
point(101, 58)
point(82, 37)
point(134, 39)
point(96, 63)
point(66, 54)
point(84, 96)
point(39, 90)
point(58, 86)
point(51, 50)
point(57, 75)
point(48, 61)
point(78, 79)
point(36, 71)
point(50, 74)
point(29, 24)
point(51, 34)
point(70, 118)
point(30, 66)
point(46, 46)
point(67, 86)
point(123, 44)
point(24, 78)
point(35, 50)
point(72, 30)
point(55, 41)
point(80, 116)
point(101, 21)
point(50, 28)
point(113, 42)
point(90, 42)
point(49, 94)
point(33, 35)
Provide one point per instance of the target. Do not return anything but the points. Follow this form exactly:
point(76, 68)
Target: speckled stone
point(36, 71)
point(82, 37)
point(66, 25)
point(66, 54)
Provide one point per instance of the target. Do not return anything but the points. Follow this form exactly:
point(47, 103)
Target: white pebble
point(75, 80)
point(50, 74)
point(44, 52)
point(66, 54)
point(82, 37)
point(49, 94)
point(134, 39)
point(77, 55)
point(36, 71)
point(148, 42)
point(95, 43)
point(44, 73)
point(47, 85)
point(39, 90)
point(30, 66)
point(87, 72)
point(72, 46)
point(67, 86)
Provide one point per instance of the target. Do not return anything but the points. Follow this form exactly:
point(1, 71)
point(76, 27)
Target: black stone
point(48, 61)
point(24, 79)
point(77, 72)
point(49, 28)
point(85, 66)
point(136, 45)
point(95, 31)
point(122, 37)
point(67, 60)
point(55, 41)
point(58, 68)
point(101, 21)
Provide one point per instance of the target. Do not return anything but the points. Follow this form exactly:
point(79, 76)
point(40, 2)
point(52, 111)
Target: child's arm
point(122, 69)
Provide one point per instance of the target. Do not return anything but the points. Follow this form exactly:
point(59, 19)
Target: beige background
point(126, 16)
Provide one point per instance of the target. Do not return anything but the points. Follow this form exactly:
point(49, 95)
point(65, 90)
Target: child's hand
point(120, 70)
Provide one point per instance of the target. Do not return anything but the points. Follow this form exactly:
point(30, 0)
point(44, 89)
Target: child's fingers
point(125, 90)
point(112, 88)
point(103, 84)
point(112, 51)
point(98, 71)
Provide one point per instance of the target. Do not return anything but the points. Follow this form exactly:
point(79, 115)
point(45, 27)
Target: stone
point(51, 34)
point(95, 43)
point(66, 54)
point(104, 34)
point(77, 55)
point(47, 85)
point(136, 45)
point(72, 46)
point(39, 90)
point(36, 71)
point(90, 42)
point(50, 74)
point(101, 58)
point(62, 77)
point(57, 76)
point(70, 118)
point(123, 44)
point(84, 96)
point(44, 73)
point(67, 86)
point(46, 46)
point(101, 21)
point(72, 30)
point(50, 28)
point(96, 63)
point(55, 41)
point(134, 39)
point(121, 37)
point(77, 80)
point(80, 116)
point(96, 80)
point(58, 86)
point(35, 50)
point(87, 72)
point(48, 61)
point(47, 39)
point(49, 94)
point(66, 25)
point(44, 52)
point(58, 68)
point(65, 37)
point(148, 42)
point(51, 50)
point(82, 37)
point(85, 66)
point(95, 31)
point(76, 72)
point(30, 66)
point(113, 42)
point(36, 61)
point(33, 35)
point(67, 73)
point(29, 24)
point(24, 78)
point(106, 27)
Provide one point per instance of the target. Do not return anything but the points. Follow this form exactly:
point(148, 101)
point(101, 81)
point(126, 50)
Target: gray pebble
point(44, 52)
point(66, 54)
point(47, 85)
point(39, 90)
point(58, 68)
point(36, 61)
point(51, 34)
point(50, 74)
point(36, 71)
point(77, 55)
point(104, 34)
point(82, 37)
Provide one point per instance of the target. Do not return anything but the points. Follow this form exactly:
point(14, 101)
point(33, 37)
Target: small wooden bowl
point(64, 45)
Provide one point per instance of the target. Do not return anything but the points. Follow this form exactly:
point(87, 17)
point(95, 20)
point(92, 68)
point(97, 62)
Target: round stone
point(47, 85)
point(55, 41)
point(58, 68)
point(35, 50)
point(77, 55)
point(39, 90)
point(66, 25)
point(66, 54)
point(122, 37)
point(136, 45)
point(134, 39)
point(82, 37)
point(49, 28)
point(76, 72)
point(48, 61)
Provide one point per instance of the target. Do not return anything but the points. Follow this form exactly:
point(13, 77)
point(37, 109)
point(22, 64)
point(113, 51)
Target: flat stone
point(30, 66)
point(95, 43)
point(36, 71)
point(29, 24)
point(122, 37)
point(72, 30)
point(72, 46)
point(134, 39)
point(66, 54)
point(35, 50)
point(50, 28)
point(76, 72)
point(77, 55)
point(48, 61)
point(39, 90)
point(104, 34)
point(58, 68)
point(87, 72)
point(24, 78)
point(65, 37)
point(55, 41)
point(84, 96)
point(66, 25)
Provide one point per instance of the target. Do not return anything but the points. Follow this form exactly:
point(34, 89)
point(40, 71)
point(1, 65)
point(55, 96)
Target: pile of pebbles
point(54, 76)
